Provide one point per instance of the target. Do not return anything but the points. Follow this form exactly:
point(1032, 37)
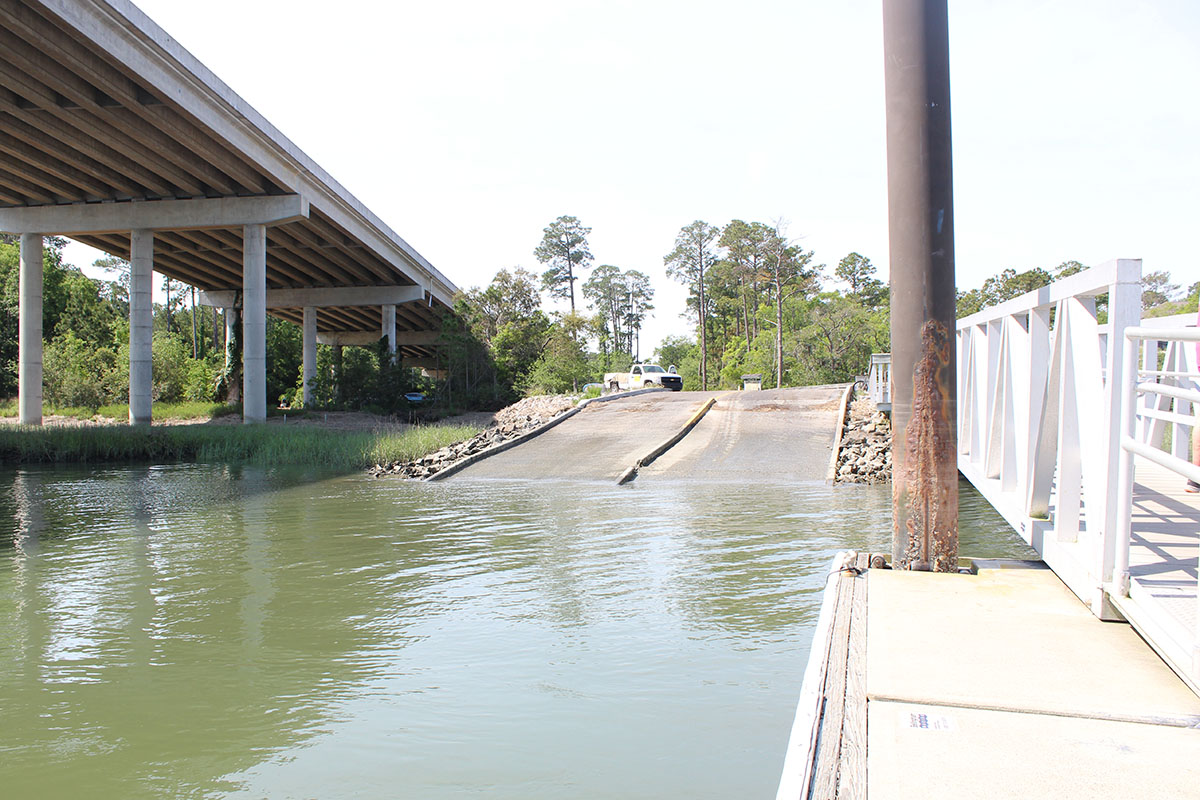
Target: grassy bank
point(265, 445)
point(120, 411)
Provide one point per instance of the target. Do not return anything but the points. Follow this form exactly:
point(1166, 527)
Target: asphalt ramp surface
point(774, 435)
point(598, 443)
point(764, 436)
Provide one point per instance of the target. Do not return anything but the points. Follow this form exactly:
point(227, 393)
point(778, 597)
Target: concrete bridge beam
point(141, 319)
point(310, 352)
point(254, 323)
point(323, 296)
point(29, 331)
point(369, 338)
point(175, 215)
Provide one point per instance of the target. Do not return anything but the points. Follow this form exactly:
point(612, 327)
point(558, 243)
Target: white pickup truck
point(643, 376)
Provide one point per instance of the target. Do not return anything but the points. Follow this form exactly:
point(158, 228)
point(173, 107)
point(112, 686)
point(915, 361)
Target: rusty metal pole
point(921, 249)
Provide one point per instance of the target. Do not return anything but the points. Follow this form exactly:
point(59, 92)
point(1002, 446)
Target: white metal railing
point(1161, 385)
point(1038, 392)
point(879, 380)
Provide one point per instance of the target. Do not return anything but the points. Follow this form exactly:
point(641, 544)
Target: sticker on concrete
point(919, 721)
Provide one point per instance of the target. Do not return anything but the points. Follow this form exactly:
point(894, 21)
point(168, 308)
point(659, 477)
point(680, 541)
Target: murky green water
point(199, 631)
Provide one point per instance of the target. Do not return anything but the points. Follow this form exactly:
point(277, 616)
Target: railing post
point(1124, 311)
point(1123, 490)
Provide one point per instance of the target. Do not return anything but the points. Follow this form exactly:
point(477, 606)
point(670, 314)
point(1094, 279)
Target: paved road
point(598, 443)
point(772, 435)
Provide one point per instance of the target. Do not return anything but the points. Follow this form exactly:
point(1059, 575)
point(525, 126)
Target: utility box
point(751, 383)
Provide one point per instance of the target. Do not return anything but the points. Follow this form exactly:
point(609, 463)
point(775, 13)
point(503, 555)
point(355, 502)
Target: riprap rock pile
point(866, 452)
point(511, 422)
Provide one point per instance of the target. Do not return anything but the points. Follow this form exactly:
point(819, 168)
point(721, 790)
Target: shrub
point(75, 372)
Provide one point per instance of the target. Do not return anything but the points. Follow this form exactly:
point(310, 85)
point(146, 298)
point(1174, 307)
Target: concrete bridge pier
point(310, 352)
point(141, 320)
point(388, 313)
point(142, 219)
point(29, 331)
point(254, 323)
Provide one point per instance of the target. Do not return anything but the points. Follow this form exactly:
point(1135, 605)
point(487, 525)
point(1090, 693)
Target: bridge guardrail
point(879, 380)
point(1161, 385)
point(1038, 395)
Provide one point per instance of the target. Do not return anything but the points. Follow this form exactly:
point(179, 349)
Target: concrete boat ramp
point(994, 684)
point(728, 436)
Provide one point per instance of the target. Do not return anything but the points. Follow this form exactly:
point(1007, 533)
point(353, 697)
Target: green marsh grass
point(165, 411)
point(263, 445)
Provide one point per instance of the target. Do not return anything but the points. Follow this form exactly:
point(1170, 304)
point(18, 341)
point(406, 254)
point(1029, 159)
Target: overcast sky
point(469, 126)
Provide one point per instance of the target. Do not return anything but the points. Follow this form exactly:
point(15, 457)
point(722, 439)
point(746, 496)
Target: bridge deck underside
point(90, 116)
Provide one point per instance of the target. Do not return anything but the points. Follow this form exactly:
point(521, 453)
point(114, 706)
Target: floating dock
point(996, 683)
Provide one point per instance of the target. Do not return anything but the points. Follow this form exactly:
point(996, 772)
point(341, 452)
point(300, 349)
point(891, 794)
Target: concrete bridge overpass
point(113, 134)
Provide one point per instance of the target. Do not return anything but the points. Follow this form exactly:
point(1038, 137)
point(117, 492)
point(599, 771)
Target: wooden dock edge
point(826, 752)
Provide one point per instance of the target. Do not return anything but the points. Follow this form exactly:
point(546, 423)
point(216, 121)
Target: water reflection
point(205, 631)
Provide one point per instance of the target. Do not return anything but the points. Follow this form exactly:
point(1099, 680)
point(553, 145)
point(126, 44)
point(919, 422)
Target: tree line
point(758, 303)
point(85, 358)
point(1160, 297)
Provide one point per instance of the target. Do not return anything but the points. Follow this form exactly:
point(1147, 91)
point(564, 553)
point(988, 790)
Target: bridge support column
point(389, 328)
point(254, 323)
point(916, 47)
point(310, 353)
point(29, 331)
point(141, 321)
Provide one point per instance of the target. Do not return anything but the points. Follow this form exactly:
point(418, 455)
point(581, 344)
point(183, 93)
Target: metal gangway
point(1077, 432)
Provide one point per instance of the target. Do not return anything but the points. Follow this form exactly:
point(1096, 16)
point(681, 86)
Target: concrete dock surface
point(1002, 684)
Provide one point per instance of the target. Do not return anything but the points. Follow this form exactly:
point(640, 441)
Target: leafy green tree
point(789, 271)
point(82, 309)
point(1186, 305)
point(519, 345)
point(285, 357)
point(641, 293)
point(75, 372)
point(564, 248)
point(70, 301)
point(840, 338)
point(511, 296)
point(746, 249)
point(115, 290)
point(605, 290)
point(726, 304)
point(855, 270)
point(1005, 286)
point(858, 273)
point(683, 353)
point(1068, 268)
point(563, 364)
point(622, 298)
point(693, 254)
point(1157, 289)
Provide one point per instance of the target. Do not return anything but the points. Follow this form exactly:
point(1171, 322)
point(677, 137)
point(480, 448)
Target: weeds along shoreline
point(260, 445)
